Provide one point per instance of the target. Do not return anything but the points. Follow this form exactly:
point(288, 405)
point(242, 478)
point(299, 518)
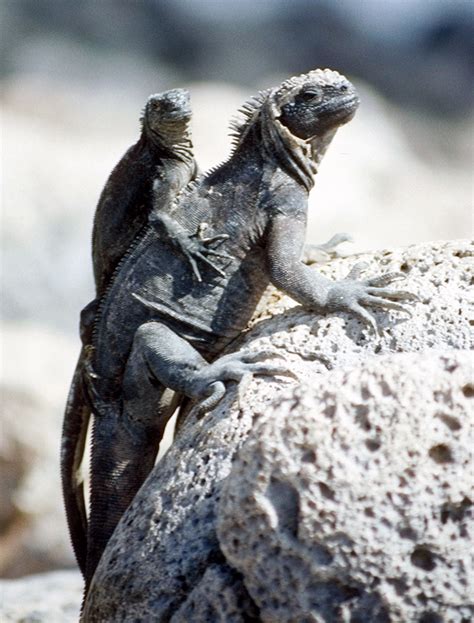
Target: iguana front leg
point(284, 245)
point(196, 247)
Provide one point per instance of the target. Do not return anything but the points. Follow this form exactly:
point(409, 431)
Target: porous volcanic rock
point(352, 500)
point(441, 274)
point(167, 540)
point(220, 596)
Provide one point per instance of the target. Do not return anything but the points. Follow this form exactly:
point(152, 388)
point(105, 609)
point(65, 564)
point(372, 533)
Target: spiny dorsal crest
point(246, 115)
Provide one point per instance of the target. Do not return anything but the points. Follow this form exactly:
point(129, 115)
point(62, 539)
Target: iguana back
point(147, 178)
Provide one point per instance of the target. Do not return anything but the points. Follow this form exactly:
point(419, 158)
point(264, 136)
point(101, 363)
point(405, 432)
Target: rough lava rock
point(440, 273)
point(166, 542)
point(220, 597)
point(352, 500)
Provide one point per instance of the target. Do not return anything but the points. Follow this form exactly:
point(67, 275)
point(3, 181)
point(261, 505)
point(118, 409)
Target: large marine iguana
point(160, 329)
point(137, 192)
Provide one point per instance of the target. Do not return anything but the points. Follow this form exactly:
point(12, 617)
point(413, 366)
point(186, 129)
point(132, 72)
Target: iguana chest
point(220, 305)
point(157, 282)
point(231, 206)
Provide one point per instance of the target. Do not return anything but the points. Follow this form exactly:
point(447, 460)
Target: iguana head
point(165, 119)
point(312, 104)
point(295, 122)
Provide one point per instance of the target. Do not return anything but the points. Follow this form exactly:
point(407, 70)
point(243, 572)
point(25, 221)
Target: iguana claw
point(197, 248)
point(239, 367)
point(354, 295)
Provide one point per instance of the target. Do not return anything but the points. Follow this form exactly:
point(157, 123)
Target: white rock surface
point(45, 598)
point(352, 499)
point(440, 273)
point(167, 541)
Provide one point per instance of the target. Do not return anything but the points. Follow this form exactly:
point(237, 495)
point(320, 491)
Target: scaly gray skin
point(147, 177)
point(139, 191)
point(160, 328)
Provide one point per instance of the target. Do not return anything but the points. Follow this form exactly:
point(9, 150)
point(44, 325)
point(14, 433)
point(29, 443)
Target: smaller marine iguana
point(147, 178)
point(138, 192)
point(161, 327)
point(143, 183)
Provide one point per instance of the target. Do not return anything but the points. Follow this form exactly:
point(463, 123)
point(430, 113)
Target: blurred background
point(75, 76)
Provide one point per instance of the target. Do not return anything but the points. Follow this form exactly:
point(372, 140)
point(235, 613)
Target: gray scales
point(174, 302)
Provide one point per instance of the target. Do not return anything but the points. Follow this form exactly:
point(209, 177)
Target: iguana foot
point(210, 381)
point(354, 295)
point(196, 247)
point(322, 252)
point(161, 355)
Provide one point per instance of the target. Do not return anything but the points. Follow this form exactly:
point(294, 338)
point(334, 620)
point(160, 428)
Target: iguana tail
point(122, 456)
point(123, 452)
point(76, 420)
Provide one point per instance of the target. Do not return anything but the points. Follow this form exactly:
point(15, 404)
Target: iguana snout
point(171, 106)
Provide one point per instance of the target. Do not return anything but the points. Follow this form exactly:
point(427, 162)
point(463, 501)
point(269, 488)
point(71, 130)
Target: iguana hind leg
point(167, 358)
point(126, 436)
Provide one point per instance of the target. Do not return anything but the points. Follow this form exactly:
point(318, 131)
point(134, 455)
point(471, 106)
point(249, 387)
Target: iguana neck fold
point(261, 126)
point(292, 154)
point(172, 138)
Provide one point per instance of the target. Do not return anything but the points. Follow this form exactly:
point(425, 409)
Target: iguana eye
point(310, 95)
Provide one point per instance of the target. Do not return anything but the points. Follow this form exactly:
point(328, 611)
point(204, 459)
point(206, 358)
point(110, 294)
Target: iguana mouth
point(183, 113)
point(178, 114)
point(340, 109)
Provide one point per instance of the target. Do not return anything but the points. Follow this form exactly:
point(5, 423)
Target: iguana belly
point(160, 285)
point(218, 307)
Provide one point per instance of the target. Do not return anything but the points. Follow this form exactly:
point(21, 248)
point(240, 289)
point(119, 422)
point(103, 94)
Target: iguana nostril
point(169, 105)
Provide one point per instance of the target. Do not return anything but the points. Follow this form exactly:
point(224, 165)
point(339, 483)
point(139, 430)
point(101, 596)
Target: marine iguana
point(138, 191)
point(160, 329)
point(151, 172)
point(145, 180)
